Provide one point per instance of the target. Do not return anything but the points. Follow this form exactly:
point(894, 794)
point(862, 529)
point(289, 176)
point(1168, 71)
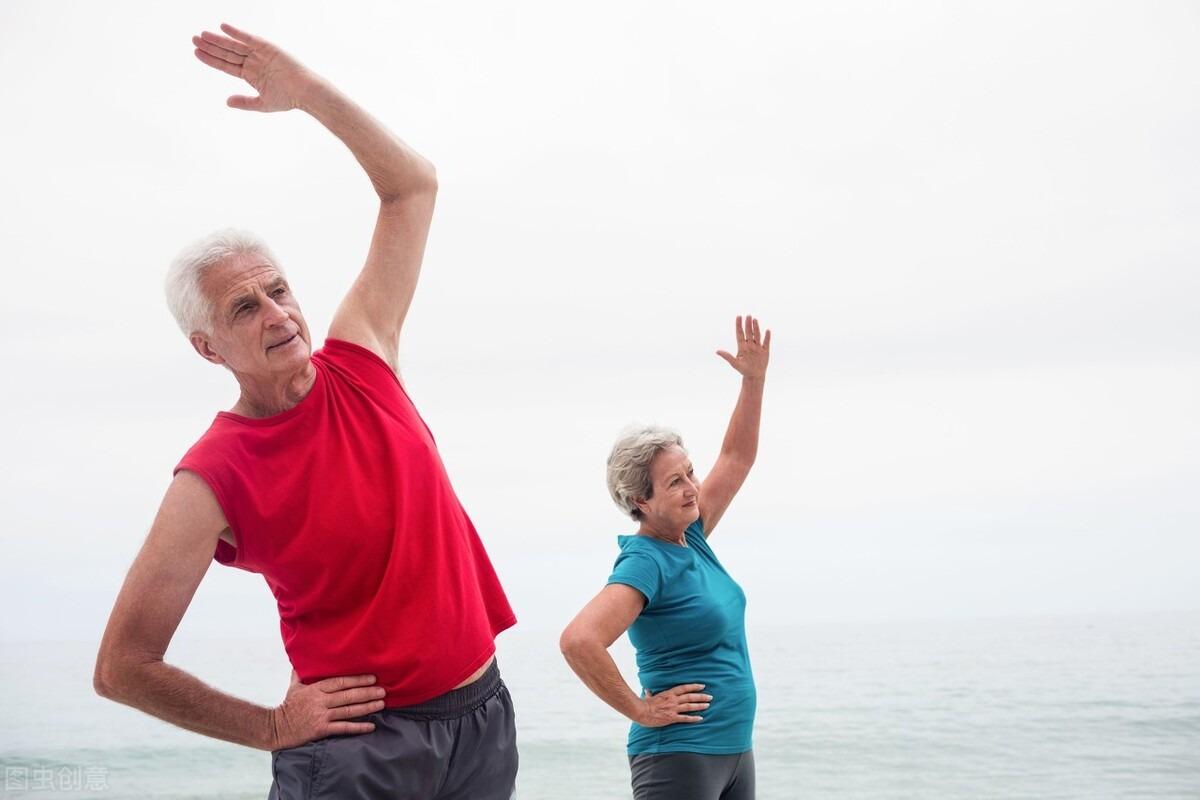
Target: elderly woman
point(691, 731)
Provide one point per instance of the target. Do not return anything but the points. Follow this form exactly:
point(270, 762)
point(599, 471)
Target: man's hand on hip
point(316, 710)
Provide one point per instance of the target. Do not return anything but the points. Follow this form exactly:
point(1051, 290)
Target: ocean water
point(1048, 707)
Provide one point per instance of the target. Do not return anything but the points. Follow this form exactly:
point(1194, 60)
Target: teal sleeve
point(640, 571)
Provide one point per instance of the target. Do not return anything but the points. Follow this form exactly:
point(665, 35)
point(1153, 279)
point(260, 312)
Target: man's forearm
point(395, 169)
point(182, 699)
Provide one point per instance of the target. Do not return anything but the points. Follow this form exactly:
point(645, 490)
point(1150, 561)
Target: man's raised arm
point(374, 309)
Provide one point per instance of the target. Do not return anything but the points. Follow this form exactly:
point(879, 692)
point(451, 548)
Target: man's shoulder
point(358, 359)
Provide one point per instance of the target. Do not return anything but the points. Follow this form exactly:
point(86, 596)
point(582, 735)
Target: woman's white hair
point(629, 464)
point(192, 310)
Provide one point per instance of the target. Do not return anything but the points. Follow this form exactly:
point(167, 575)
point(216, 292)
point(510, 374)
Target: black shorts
point(458, 746)
point(693, 776)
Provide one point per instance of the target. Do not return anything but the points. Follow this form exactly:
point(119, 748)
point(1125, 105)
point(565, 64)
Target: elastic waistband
point(455, 702)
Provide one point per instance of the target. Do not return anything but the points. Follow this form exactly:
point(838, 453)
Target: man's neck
point(265, 399)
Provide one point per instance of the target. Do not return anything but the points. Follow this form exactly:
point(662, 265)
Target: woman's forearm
point(741, 437)
point(595, 667)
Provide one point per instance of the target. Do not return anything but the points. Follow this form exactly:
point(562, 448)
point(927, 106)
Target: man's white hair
point(193, 311)
point(629, 464)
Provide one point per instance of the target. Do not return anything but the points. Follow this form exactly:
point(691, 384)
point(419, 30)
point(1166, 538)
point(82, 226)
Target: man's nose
point(276, 314)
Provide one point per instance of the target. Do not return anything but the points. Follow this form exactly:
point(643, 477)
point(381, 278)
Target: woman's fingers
point(767, 340)
point(686, 688)
point(756, 334)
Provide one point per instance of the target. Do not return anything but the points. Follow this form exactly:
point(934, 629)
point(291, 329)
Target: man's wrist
point(269, 731)
point(315, 95)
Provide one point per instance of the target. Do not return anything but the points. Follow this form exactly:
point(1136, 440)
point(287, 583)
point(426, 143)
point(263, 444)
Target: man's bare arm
point(156, 593)
point(373, 311)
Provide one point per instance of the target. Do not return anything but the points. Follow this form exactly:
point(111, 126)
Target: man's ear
point(204, 347)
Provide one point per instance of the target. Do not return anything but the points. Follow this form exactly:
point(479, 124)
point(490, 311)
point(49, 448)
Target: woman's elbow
point(574, 641)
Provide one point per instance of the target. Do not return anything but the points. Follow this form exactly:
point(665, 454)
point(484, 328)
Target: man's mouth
point(285, 341)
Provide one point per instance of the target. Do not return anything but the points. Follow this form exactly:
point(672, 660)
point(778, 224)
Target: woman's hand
point(753, 350)
point(668, 706)
point(315, 710)
point(280, 80)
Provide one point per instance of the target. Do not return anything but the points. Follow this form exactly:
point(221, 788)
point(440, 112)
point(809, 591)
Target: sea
point(1084, 706)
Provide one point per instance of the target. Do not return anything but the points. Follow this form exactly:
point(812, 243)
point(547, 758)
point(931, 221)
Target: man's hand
point(280, 80)
point(668, 707)
point(315, 710)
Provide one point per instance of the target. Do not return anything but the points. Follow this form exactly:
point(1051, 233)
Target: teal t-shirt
point(692, 630)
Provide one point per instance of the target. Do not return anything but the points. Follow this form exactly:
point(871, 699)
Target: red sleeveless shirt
point(343, 505)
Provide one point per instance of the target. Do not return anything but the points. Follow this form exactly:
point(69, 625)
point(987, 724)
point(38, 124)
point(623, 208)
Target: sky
point(970, 227)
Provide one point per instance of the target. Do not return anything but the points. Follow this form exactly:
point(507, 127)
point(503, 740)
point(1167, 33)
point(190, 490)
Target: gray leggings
point(693, 776)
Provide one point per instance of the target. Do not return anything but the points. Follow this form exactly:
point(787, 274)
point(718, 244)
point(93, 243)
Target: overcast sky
point(971, 228)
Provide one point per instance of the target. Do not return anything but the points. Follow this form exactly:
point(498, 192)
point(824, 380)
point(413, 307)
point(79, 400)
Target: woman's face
point(675, 501)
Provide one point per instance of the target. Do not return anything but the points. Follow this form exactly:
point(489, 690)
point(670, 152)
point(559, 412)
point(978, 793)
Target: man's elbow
point(104, 678)
point(113, 675)
point(420, 183)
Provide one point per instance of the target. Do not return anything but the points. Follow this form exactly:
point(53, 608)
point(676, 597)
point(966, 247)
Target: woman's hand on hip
point(672, 705)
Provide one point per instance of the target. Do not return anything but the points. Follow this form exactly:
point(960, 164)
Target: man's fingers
point(362, 694)
point(217, 52)
point(244, 102)
point(217, 63)
point(343, 682)
point(343, 728)
point(356, 710)
point(240, 35)
point(225, 42)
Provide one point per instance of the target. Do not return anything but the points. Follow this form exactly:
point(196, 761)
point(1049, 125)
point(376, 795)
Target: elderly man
point(323, 478)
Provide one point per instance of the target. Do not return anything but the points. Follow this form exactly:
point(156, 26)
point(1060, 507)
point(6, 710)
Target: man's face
point(257, 327)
